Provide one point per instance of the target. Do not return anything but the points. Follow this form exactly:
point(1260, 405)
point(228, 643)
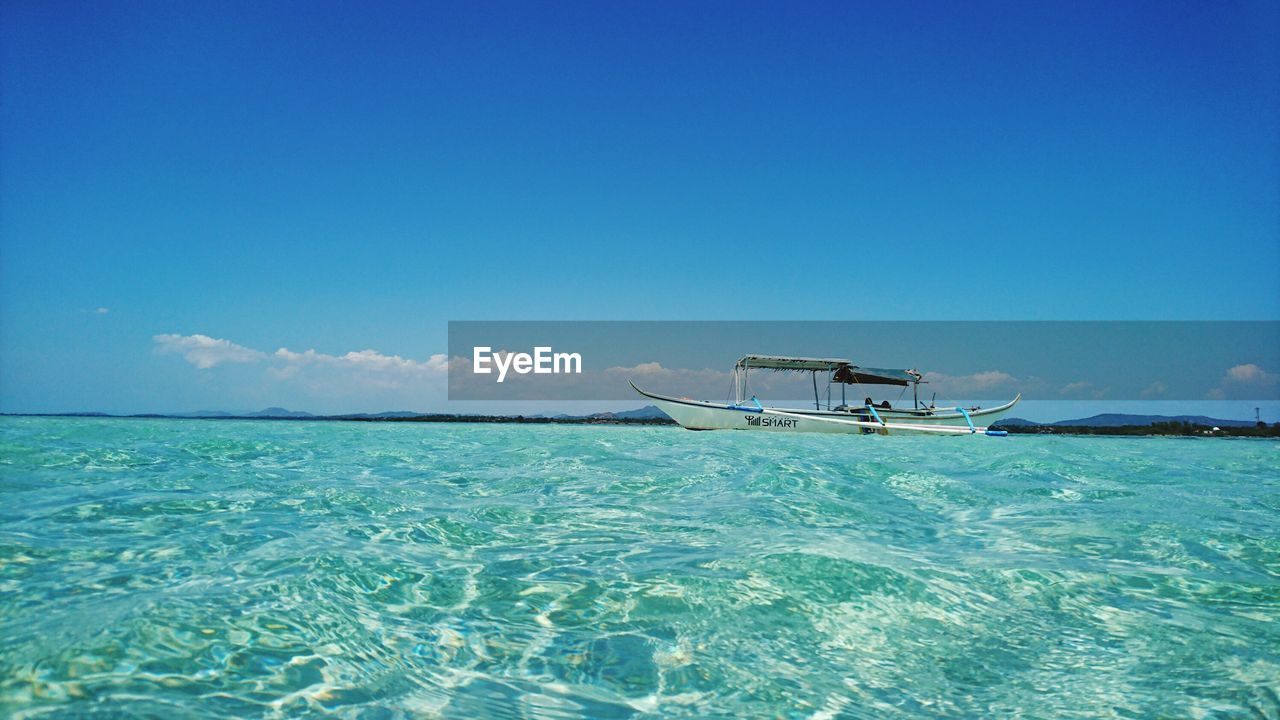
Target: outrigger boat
point(865, 418)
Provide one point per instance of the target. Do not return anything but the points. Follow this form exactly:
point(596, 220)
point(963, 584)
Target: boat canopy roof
point(851, 375)
point(776, 362)
point(845, 371)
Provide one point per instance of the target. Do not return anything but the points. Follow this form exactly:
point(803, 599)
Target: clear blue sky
point(350, 176)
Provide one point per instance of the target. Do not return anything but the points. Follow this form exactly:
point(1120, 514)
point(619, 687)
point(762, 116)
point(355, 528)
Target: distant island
point(648, 415)
point(1104, 424)
point(1122, 424)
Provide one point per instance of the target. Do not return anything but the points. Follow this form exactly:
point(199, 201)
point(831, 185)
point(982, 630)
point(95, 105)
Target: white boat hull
point(700, 415)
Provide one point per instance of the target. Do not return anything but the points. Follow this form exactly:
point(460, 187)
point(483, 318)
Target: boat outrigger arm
point(746, 412)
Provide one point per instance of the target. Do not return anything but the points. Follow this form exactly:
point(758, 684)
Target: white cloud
point(438, 363)
point(704, 382)
point(656, 369)
point(359, 368)
point(1246, 381)
point(1075, 388)
point(102, 311)
point(360, 380)
point(956, 385)
point(1084, 388)
point(1251, 374)
point(649, 368)
point(1154, 390)
point(205, 352)
point(366, 360)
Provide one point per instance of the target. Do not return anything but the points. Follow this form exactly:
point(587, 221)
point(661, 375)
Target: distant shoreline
point(1160, 429)
point(425, 418)
point(1153, 430)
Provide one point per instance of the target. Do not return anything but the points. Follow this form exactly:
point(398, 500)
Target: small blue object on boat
point(998, 433)
point(875, 414)
point(968, 419)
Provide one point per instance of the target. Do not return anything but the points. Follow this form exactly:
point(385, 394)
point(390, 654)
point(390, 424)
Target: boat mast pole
point(739, 377)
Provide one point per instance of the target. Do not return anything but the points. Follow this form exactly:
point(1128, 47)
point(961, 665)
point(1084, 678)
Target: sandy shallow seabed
point(261, 569)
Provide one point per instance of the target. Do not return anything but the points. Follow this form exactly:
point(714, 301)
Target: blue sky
point(347, 177)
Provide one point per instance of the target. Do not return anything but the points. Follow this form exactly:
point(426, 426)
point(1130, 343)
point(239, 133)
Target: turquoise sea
point(185, 568)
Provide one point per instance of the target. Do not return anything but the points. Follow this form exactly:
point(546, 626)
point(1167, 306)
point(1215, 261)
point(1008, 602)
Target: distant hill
point(1017, 422)
point(279, 412)
point(645, 413)
point(1122, 420)
point(648, 412)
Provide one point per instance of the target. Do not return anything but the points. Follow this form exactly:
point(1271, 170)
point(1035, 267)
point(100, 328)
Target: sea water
point(187, 568)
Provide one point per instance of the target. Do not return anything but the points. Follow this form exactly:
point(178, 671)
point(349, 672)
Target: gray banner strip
point(978, 360)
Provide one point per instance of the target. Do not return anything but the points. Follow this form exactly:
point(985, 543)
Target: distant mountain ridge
point(1122, 420)
point(648, 412)
point(279, 412)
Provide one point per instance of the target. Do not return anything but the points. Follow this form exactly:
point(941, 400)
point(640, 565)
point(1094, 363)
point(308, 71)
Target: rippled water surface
point(240, 568)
